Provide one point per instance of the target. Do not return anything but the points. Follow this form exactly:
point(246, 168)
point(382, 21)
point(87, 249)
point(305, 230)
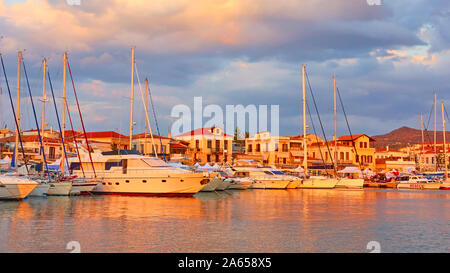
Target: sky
point(389, 59)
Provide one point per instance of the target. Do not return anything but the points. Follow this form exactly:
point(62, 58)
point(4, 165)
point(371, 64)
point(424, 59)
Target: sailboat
point(445, 185)
point(313, 182)
point(13, 186)
point(80, 185)
point(61, 184)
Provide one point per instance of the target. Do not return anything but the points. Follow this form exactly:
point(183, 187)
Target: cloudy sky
point(388, 59)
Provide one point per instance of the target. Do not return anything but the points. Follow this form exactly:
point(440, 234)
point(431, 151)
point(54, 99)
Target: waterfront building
point(208, 145)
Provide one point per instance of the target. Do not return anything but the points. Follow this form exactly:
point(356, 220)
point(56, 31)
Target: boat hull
point(223, 185)
point(318, 184)
point(294, 184)
point(240, 185)
point(419, 186)
point(16, 191)
point(350, 183)
point(270, 184)
point(151, 186)
point(82, 188)
point(59, 188)
point(212, 185)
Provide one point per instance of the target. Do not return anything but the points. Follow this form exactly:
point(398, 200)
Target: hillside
point(403, 136)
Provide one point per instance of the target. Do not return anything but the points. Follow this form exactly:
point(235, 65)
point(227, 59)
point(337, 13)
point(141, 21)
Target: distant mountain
point(403, 136)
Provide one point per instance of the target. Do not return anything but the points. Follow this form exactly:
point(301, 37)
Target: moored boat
point(318, 182)
point(13, 187)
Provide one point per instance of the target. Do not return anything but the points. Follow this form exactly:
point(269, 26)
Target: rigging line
point(348, 126)
point(320, 122)
point(14, 113)
point(314, 130)
point(35, 118)
point(82, 122)
point(428, 124)
point(156, 121)
point(57, 118)
point(74, 138)
point(145, 109)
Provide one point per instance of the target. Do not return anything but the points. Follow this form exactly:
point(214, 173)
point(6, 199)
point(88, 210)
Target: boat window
point(267, 172)
point(117, 183)
point(163, 181)
point(144, 181)
point(110, 164)
point(127, 181)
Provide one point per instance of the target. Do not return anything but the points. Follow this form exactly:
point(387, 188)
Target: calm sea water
point(237, 221)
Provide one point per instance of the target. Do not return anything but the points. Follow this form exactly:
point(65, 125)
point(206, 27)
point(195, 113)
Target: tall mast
point(335, 126)
point(423, 141)
point(44, 99)
point(305, 147)
point(16, 148)
point(64, 110)
point(445, 146)
point(146, 105)
point(131, 100)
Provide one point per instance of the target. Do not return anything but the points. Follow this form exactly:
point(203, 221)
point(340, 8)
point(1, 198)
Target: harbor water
point(232, 221)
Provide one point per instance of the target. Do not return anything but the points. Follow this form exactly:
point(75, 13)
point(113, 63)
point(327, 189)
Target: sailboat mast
point(423, 141)
point(44, 98)
point(335, 126)
point(146, 105)
point(16, 148)
point(131, 100)
point(305, 147)
point(445, 146)
point(64, 109)
point(435, 148)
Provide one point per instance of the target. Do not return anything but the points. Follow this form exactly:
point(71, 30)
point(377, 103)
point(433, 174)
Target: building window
point(342, 155)
point(197, 144)
point(209, 144)
point(225, 144)
point(217, 144)
point(258, 147)
point(347, 156)
point(285, 147)
point(250, 148)
point(208, 158)
point(365, 144)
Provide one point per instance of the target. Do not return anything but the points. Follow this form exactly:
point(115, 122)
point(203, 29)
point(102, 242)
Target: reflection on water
point(232, 221)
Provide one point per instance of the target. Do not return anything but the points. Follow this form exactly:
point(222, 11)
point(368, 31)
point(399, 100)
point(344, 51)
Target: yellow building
point(271, 149)
point(208, 145)
point(146, 146)
point(364, 155)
